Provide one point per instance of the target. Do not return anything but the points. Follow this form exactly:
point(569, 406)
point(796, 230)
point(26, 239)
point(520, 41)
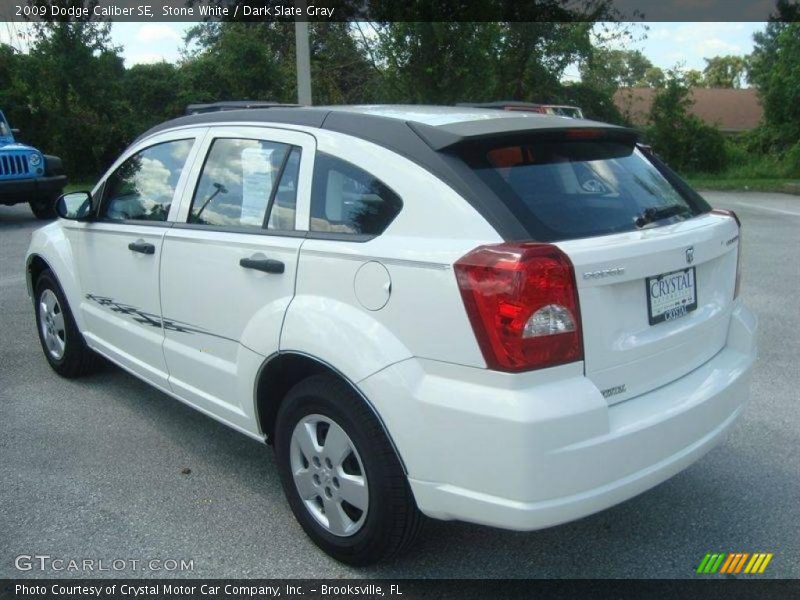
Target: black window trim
point(274, 191)
point(359, 238)
point(338, 236)
point(238, 229)
point(100, 218)
point(144, 223)
point(262, 230)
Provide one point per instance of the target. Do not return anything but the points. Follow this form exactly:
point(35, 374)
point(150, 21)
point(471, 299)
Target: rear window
point(567, 189)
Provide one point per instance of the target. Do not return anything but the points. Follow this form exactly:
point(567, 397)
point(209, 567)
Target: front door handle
point(268, 265)
point(142, 247)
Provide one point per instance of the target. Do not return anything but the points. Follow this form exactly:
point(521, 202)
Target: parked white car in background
point(498, 317)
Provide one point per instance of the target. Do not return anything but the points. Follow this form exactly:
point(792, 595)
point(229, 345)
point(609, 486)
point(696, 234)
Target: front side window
point(241, 180)
point(142, 188)
point(346, 199)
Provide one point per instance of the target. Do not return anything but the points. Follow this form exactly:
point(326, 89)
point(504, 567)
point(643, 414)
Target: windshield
point(566, 189)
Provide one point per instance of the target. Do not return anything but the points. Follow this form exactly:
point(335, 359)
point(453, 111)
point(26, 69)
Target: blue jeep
point(27, 175)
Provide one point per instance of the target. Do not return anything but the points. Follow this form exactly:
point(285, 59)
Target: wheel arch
point(50, 249)
point(35, 265)
point(283, 370)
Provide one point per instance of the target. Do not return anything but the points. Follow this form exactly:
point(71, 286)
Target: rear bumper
point(15, 191)
point(528, 452)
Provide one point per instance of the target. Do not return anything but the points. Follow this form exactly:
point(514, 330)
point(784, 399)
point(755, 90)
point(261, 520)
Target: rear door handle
point(267, 265)
point(142, 247)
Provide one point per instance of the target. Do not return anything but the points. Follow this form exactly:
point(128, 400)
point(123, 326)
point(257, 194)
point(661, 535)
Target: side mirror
point(75, 206)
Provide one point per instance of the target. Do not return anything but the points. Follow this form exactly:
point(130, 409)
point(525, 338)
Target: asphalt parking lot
point(93, 468)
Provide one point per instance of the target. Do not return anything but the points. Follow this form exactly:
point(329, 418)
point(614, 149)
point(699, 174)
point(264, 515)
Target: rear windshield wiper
point(656, 213)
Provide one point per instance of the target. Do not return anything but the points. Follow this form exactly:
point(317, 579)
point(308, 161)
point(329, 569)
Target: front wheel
point(340, 474)
point(62, 342)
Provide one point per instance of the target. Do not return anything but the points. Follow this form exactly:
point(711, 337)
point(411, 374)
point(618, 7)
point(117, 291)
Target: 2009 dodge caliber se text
point(503, 318)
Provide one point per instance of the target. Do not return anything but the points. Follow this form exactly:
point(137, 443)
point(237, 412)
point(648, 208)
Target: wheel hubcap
point(51, 321)
point(329, 475)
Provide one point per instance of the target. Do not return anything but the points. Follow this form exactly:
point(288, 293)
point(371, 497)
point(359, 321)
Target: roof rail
point(196, 109)
point(564, 110)
point(500, 104)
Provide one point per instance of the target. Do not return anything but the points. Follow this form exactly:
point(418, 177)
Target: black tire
point(77, 359)
point(44, 209)
point(392, 520)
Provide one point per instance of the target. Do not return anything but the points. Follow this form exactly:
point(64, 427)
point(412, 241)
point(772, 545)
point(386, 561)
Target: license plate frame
point(679, 305)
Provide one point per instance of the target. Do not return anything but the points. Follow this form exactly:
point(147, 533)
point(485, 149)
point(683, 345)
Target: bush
point(747, 159)
point(690, 146)
point(682, 139)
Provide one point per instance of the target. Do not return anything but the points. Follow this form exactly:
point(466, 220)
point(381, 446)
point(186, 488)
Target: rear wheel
point(340, 474)
point(62, 343)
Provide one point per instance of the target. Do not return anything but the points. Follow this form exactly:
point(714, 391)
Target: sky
point(666, 44)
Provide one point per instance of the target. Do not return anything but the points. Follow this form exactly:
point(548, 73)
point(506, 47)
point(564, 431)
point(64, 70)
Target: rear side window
point(241, 182)
point(281, 216)
point(348, 200)
point(567, 189)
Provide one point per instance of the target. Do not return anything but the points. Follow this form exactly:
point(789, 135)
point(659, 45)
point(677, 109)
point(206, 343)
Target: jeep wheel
point(62, 343)
point(44, 209)
point(340, 474)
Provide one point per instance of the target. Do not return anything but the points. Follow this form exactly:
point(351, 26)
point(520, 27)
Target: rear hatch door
point(655, 268)
point(654, 304)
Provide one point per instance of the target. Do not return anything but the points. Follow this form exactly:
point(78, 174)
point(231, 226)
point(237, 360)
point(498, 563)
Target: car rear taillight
point(735, 217)
point(522, 302)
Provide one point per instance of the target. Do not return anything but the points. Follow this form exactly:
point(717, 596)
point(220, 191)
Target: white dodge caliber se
point(503, 318)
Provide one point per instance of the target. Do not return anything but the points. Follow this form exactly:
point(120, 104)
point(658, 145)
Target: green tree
point(240, 61)
point(611, 68)
point(654, 77)
point(448, 62)
point(684, 141)
point(155, 93)
point(13, 100)
point(774, 71)
point(256, 61)
point(725, 71)
point(340, 68)
point(72, 81)
point(434, 62)
point(695, 78)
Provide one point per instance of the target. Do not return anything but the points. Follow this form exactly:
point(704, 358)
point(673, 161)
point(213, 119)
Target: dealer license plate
point(671, 295)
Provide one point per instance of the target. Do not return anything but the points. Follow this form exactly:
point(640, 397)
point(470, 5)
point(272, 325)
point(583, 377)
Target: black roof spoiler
point(444, 137)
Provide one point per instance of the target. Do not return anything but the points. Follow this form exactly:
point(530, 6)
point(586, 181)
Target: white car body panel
point(521, 451)
point(242, 310)
point(111, 277)
point(620, 346)
point(425, 312)
point(52, 245)
point(531, 451)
